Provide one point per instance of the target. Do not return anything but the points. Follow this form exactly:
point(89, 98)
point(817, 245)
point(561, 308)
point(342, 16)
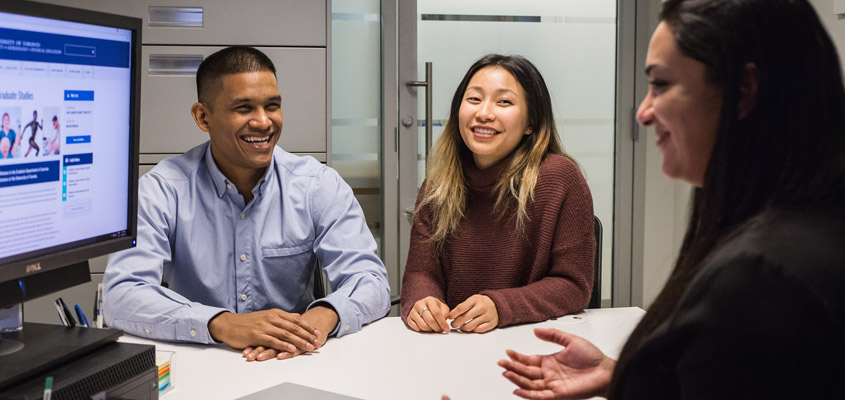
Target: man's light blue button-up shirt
point(218, 254)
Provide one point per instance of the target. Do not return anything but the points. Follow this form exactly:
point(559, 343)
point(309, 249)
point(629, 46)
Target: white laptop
point(290, 390)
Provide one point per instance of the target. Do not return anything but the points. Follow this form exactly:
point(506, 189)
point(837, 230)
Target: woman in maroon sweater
point(503, 227)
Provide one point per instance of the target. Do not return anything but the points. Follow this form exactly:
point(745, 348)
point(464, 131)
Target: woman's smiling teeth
point(484, 131)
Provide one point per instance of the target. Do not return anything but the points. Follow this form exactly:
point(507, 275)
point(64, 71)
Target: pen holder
point(164, 363)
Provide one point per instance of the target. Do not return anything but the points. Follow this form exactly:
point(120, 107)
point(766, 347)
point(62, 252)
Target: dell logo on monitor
point(33, 268)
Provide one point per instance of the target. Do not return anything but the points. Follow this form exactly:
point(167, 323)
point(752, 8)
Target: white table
point(387, 361)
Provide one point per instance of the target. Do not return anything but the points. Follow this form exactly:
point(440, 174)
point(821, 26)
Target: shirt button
point(243, 257)
point(147, 330)
point(228, 186)
point(347, 327)
point(243, 216)
point(243, 297)
point(193, 332)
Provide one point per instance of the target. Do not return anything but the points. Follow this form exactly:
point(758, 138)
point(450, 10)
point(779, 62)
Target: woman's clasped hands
point(476, 314)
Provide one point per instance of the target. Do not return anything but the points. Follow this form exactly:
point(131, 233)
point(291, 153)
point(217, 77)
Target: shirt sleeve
point(134, 299)
point(347, 252)
point(567, 286)
point(423, 274)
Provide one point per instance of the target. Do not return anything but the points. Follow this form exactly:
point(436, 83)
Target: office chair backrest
point(595, 297)
point(319, 282)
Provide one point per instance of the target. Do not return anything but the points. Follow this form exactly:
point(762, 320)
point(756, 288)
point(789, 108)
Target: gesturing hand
point(476, 314)
point(272, 329)
point(428, 315)
point(578, 371)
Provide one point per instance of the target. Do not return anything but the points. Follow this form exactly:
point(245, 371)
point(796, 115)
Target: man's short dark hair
point(231, 60)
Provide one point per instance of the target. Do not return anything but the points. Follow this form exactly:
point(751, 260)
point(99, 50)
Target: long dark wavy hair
point(788, 153)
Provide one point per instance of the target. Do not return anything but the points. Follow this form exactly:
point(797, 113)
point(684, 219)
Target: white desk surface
point(385, 360)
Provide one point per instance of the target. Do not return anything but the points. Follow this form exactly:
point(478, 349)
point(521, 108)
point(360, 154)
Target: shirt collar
point(221, 183)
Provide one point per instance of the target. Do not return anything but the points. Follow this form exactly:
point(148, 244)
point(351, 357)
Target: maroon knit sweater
point(546, 272)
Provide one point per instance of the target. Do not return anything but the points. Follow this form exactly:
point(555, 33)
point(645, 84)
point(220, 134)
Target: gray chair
point(320, 283)
point(595, 297)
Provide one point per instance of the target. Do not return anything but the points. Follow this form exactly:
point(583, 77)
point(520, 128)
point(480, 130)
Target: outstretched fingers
point(527, 371)
point(555, 336)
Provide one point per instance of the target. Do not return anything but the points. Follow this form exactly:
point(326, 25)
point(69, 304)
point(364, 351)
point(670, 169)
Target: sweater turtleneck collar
point(483, 180)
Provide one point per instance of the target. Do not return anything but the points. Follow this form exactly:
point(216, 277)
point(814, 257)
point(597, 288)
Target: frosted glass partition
point(572, 42)
point(356, 102)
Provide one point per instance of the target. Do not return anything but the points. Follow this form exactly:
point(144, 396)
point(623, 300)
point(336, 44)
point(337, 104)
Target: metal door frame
point(406, 97)
point(392, 239)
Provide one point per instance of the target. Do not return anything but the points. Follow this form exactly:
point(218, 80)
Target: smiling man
point(235, 227)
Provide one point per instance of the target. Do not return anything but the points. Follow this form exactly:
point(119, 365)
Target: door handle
point(427, 83)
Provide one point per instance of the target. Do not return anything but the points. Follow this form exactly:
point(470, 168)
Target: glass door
point(360, 150)
point(574, 45)
point(380, 85)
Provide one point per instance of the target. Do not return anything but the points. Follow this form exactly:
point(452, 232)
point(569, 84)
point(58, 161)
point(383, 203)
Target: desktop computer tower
point(113, 371)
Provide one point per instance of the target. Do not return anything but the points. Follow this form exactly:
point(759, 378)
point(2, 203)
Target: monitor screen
point(69, 104)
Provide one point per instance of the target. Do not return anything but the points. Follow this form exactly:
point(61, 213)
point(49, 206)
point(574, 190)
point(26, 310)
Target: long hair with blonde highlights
point(445, 190)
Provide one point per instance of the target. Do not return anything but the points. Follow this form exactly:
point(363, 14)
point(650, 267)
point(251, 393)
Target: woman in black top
point(747, 100)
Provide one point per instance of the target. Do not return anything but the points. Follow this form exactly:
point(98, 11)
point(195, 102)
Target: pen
point(83, 320)
point(48, 388)
point(100, 320)
point(61, 312)
point(71, 321)
point(94, 310)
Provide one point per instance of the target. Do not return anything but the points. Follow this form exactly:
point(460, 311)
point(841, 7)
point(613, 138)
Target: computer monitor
point(69, 128)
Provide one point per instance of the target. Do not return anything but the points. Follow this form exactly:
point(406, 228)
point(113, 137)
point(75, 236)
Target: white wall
point(834, 24)
point(666, 214)
point(664, 207)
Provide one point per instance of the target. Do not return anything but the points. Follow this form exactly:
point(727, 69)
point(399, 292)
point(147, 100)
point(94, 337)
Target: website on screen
point(64, 138)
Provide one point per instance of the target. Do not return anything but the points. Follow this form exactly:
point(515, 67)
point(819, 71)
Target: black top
point(764, 318)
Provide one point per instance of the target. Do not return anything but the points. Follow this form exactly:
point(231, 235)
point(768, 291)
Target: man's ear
point(200, 114)
point(748, 91)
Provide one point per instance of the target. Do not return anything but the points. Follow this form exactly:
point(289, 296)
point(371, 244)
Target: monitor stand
point(11, 320)
point(43, 346)
point(9, 346)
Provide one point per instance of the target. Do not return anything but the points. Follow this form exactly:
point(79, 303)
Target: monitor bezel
point(51, 259)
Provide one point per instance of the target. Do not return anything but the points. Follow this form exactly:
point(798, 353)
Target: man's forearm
point(153, 312)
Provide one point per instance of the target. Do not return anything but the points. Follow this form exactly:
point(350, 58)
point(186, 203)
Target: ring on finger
point(422, 311)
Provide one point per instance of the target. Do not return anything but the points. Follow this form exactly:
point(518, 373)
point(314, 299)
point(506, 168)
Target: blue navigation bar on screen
point(25, 174)
point(63, 49)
